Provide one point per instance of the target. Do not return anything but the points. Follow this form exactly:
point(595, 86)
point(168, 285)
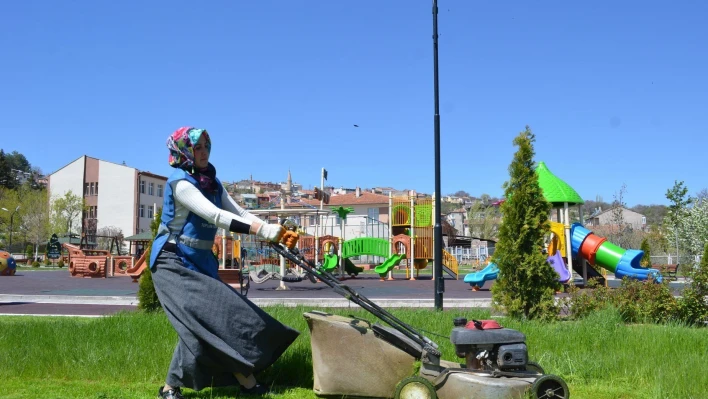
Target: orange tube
point(590, 246)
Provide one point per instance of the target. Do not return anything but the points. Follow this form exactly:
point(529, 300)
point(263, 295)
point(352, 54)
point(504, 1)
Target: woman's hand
point(290, 239)
point(269, 232)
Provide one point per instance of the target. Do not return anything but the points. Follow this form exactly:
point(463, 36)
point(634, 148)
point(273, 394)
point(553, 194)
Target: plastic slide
point(559, 266)
point(389, 263)
point(331, 261)
point(138, 268)
point(598, 251)
point(477, 279)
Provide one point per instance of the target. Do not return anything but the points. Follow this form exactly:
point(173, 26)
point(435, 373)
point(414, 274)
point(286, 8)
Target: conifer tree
point(646, 259)
point(526, 284)
point(147, 296)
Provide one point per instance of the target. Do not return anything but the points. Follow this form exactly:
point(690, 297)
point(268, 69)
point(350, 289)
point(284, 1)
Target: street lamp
point(437, 229)
point(12, 216)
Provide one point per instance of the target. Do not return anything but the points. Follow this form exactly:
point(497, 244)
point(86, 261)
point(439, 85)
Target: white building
point(115, 195)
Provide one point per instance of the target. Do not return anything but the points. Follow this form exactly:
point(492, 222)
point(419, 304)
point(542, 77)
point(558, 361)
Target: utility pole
point(437, 229)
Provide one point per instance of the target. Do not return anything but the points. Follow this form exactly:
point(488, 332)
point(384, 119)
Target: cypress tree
point(147, 296)
point(526, 284)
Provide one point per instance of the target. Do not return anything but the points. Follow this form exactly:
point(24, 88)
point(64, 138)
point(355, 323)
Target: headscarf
point(181, 145)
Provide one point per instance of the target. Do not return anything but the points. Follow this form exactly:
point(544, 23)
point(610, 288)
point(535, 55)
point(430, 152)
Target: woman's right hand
point(271, 232)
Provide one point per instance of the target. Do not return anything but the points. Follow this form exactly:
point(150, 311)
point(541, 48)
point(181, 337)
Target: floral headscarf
point(181, 145)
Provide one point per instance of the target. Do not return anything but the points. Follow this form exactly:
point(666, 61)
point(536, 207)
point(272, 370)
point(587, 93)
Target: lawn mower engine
point(501, 353)
point(485, 345)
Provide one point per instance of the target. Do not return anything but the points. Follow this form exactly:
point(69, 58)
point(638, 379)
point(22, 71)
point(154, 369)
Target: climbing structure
point(412, 234)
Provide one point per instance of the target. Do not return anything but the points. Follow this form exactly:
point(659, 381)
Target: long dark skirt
point(220, 331)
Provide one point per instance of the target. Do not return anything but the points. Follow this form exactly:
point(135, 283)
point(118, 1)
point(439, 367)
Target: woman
point(224, 338)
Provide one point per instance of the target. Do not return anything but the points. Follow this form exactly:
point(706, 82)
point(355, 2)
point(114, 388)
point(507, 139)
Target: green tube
point(609, 255)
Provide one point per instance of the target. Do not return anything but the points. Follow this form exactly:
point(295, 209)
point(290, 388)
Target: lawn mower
point(353, 357)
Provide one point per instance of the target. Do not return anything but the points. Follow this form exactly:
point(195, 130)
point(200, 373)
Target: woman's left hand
point(290, 239)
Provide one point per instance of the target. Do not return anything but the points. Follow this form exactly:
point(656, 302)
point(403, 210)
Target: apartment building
point(115, 195)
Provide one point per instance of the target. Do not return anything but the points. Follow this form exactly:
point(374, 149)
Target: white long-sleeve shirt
point(188, 199)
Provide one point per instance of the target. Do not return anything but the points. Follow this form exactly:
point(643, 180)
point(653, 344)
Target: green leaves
point(527, 283)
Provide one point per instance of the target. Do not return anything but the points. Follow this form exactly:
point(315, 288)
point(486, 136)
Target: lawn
point(127, 355)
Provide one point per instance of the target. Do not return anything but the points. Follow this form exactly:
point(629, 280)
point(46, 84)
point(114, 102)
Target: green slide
point(331, 261)
point(389, 263)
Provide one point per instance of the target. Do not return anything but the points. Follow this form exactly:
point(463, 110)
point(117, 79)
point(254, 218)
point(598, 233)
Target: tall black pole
point(437, 239)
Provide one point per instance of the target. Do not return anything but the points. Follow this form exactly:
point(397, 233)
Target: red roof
point(365, 198)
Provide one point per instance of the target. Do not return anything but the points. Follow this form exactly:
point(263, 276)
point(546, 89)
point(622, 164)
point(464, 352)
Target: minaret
point(287, 193)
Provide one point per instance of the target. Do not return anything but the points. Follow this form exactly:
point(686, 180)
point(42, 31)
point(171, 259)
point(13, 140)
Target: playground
point(572, 248)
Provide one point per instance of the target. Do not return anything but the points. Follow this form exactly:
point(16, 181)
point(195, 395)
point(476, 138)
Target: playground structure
point(406, 240)
point(96, 262)
point(587, 250)
point(8, 266)
point(411, 221)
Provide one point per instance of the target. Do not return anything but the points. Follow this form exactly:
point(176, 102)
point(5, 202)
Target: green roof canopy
point(556, 191)
point(144, 236)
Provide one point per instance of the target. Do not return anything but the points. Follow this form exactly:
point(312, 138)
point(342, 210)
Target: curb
point(287, 302)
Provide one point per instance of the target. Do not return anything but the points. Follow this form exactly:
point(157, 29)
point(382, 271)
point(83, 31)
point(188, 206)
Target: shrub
point(60, 264)
point(147, 296)
point(693, 305)
point(47, 261)
point(526, 284)
point(35, 264)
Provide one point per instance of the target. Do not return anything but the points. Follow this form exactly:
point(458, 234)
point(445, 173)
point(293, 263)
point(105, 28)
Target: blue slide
point(477, 279)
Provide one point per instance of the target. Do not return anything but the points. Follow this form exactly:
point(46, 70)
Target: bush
point(47, 261)
point(644, 301)
point(147, 296)
point(35, 264)
point(694, 308)
point(60, 264)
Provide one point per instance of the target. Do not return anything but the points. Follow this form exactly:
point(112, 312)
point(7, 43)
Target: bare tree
point(621, 231)
point(106, 235)
point(483, 220)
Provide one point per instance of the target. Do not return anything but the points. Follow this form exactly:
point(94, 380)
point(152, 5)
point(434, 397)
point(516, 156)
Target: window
point(151, 189)
point(86, 189)
point(142, 187)
point(159, 190)
point(313, 220)
point(150, 212)
point(644, 220)
point(90, 188)
point(373, 213)
point(96, 188)
point(142, 211)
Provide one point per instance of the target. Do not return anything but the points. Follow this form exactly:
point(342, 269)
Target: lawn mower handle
point(347, 292)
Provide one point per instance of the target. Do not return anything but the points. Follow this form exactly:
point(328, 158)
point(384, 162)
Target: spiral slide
point(598, 251)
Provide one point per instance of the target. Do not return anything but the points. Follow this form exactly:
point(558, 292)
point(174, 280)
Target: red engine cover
point(483, 325)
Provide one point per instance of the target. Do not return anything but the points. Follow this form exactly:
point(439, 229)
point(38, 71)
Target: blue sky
point(616, 92)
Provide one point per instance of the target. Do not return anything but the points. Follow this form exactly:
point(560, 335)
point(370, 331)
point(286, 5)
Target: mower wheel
point(533, 366)
point(415, 388)
point(550, 386)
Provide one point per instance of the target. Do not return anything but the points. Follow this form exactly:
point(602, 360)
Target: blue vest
point(196, 238)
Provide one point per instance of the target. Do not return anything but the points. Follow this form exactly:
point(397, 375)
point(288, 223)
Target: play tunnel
point(598, 251)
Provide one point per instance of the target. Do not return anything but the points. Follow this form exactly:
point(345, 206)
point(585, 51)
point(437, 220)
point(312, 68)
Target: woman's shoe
point(257, 389)
point(174, 393)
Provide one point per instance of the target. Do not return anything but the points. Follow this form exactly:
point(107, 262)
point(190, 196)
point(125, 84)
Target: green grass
point(127, 355)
